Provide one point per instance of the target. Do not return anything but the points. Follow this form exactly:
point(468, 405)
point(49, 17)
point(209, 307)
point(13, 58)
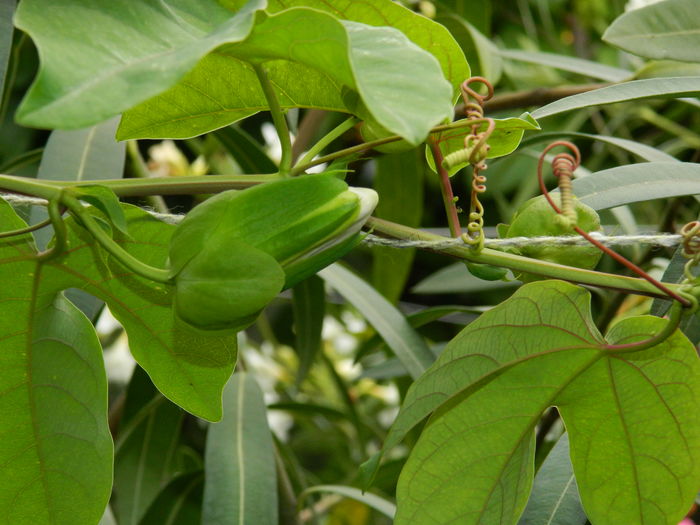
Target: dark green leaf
point(240, 486)
point(554, 499)
point(403, 340)
point(144, 458)
point(309, 305)
point(663, 30)
point(179, 503)
point(399, 180)
point(674, 87)
point(245, 150)
point(7, 9)
point(121, 54)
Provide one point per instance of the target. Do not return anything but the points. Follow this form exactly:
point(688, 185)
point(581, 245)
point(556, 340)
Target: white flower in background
point(119, 363)
point(166, 160)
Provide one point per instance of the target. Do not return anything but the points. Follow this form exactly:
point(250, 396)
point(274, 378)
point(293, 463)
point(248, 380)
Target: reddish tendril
point(563, 166)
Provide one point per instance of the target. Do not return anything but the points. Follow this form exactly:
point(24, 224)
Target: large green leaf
point(554, 499)
point(188, 366)
point(673, 87)
point(401, 338)
point(638, 182)
point(240, 484)
point(632, 417)
point(95, 63)
point(664, 30)
point(314, 60)
point(56, 450)
point(504, 140)
point(399, 180)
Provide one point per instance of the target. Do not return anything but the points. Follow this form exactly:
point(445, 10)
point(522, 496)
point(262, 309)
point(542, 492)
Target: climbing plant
point(560, 385)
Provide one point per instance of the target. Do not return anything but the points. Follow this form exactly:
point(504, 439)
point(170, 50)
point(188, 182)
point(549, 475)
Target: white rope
point(660, 240)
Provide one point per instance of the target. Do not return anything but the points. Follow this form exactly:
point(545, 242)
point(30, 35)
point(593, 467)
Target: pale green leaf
point(96, 63)
point(314, 60)
point(568, 63)
point(455, 278)
point(371, 500)
point(663, 30)
point(638, 182)
point(240, 484)
point(401, 338)
point(670, 87)
point(554, 499)
point(7, 9)
point(504, 140)
point(399, 180)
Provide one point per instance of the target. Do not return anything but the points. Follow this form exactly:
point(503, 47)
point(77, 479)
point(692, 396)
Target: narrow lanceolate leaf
point(568, 63)
point(371, 500)
point(554, 499)
point(144, 458)
point(311, 56)
point(398, 334)
point(632, 416)
point(56, 450)
point(240, 486)
point(245, 150)
point(504, 140)
point(670, 87)
point(638, 182)
point(664, 30)
point(179, 503)
point(309, 305)
point(119, 55)
point(399, 180)
point(7, 9)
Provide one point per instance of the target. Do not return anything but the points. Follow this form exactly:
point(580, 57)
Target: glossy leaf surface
point(538, 349)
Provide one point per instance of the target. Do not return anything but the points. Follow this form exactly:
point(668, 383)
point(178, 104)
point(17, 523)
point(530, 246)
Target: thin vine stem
point(327, 139)
point(277, 118)
point(448, 198)
point(159, 275)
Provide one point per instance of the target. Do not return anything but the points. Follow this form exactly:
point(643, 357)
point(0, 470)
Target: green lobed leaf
point(56, 451)
point(144, 458)
point(669, 87)
point(96, 63)
point(401, 338)
point(637, 182)
point(240, 485)
point(399, 180)
point(663, 30)
point(568, 63)
point(554, 499)
point(317, 61)
point(309, 306)
point(632, 417)
point(504, 140)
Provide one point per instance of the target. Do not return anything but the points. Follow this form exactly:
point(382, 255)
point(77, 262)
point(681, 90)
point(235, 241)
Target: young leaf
point(311, 55)
point(554, 499)
point(403, 340)
point(56, 453)
point(637, 182)
point(663, 30)
point(634, 430)
point(120, 55)
point(309, 305)
point(106, 201)
point(240, 484)
point(625, 92)
point(504, 139)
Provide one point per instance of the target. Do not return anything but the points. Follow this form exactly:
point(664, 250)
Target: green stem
point(60, 233)
point(327, 139)
point(140, 170)
point(158, 275)
point(448, 199)
point(277, 118)
point(302, 167)
point(26, 186)
point(520, 263)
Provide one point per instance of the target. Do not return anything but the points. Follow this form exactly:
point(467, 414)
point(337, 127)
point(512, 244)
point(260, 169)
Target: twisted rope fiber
point(660, 240)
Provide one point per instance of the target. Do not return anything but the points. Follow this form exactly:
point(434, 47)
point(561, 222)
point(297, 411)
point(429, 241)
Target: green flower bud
point(235, 252)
